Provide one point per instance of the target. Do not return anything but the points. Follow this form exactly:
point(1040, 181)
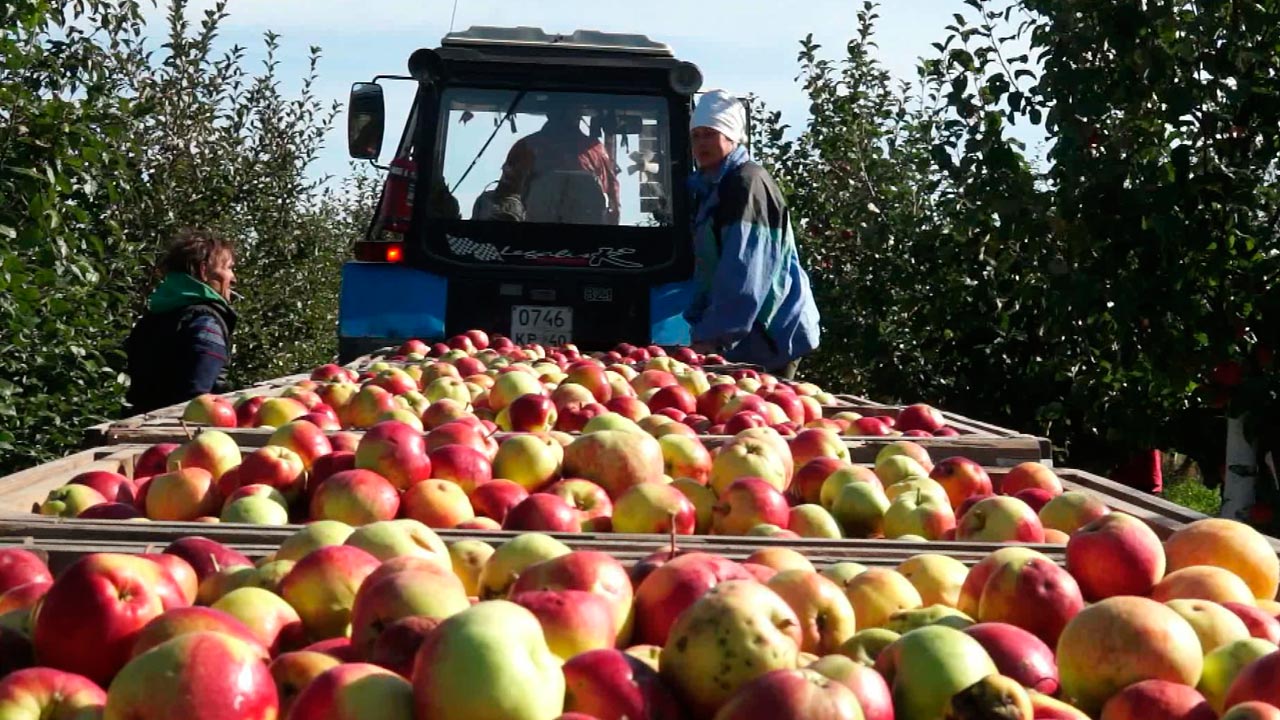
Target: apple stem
point(185, 429)
point(671, 516)
point(217, 566)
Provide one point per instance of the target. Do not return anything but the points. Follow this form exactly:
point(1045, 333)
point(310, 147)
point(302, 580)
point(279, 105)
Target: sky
point(749, 46)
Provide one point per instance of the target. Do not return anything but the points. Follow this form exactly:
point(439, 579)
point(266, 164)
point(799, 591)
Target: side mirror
point(366, 121)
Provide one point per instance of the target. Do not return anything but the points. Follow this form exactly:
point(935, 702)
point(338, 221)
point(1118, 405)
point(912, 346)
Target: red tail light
point(389, 252)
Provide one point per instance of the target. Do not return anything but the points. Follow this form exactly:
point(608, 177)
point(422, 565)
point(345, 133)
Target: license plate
point(541, 324)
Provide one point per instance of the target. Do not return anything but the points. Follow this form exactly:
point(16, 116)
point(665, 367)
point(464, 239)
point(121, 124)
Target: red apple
point(397, 645)
point(48, 694)
point(1000, 519)
point(1030, 475)
point(186, 620)
point(542, 512)
point(322, 588)
point(588, 498)
point(672, 588)
point(395, 451)
point(182, 495)
point(462, 464)
point(355, 497)
point(328, 465)
point(791, 695)
point(20, 567)
point(608, 684)
point(532, 413)
point(345, 692)
point(115, 487)
point(713, 400)
point(1018, 654)
point(962, 478)
point(746, 503)
point(200, 676)
point(206, 557)
point(1260, 624)
point(673, 396)
point(153, 461)
point(93, 612)
point(304, 438)
point(495, 498)
point(1117, 554)
point(806, 486)
point(1035, 498)
point(210, 409)
point(1158, 699)
point(920, 417)
point(277, 467)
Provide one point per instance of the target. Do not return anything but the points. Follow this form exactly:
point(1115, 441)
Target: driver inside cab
point(557, 174)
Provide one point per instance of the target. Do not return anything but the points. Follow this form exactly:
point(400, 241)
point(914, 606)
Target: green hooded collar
point(179, 290)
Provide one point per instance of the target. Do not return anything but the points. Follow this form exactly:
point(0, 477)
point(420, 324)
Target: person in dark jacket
point(181, 346)
point(753, 302)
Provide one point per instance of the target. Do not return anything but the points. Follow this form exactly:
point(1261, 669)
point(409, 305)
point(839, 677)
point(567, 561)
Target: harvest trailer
point(485, 223)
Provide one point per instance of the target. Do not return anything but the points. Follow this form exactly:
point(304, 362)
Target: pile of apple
point(531, 389)
point(613, 476)
point(388, 621)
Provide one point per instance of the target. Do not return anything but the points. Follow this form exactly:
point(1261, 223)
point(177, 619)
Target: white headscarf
point(721, 110)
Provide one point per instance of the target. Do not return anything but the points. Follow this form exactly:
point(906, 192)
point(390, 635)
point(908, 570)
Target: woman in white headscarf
point(753, 302)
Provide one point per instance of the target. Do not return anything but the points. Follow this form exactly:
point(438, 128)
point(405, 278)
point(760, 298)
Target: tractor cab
point(538, 190)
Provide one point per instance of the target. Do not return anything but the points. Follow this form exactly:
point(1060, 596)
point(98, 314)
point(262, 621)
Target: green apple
point(925, 667)
point(512, 557)
point(458, 663)
point(1223, 664)
point(866, 645)
point(813, 521)
point(859, 508)
point(255, 510)
point(315, 535)
point(389, 539)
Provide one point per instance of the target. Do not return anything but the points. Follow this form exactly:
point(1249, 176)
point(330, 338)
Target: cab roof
point(530, 39)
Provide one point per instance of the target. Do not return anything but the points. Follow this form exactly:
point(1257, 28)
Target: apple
point(205, 557)
point(1252, 710)
point(1214, 624)
point(789, 694)
point(542, 512)
point(459, 432)
point(347, 691)
point(894, 469)
point(938, 578)
point(867, 685)
point(532, 413)
point(532, 460)
point(654, 508)
point(668, 590)
point(23, 597)
point(413, 587)
point(588, 498)
point(747, 502)
point(1030, 475)
point(925, 667)
point(685, 457)
point(1018, 654)
point(194, 676)
point(69, 501)
point(355, 497)
point(1223, 665)
point(391, 539)
point(275, 466)
point(397, 645)
point(1034, 594)
point(464, 465)
point(395, 451)
point(573, 621)
point(153, 461)
point(184, 494)
point(920, 417)
point(1116, 554)
point(609, 684)
point(877, 593)
point(838, 479)
point(1231, 546)
point(1071, 511)
point(918, 513)
point(113, 487)
point(1122, 640)
point(591, 377)
point(750, 457)
point(1158, 698)
point(210, 409)
point(512, 557)
point(468, 558)
point(826, 616)
point(742, 630)
point(615, 460)
point(91, 614)
point(313, 536)
point(1205, 582)
point(437, 504)
point(1000, 519)
point(322, 588)
point(185, 620)
point(870, 426)
point(859, 507)
point(272, 621)
point(1257, 621)
point(254, 510)
point(495, 498)
point(45, 693)
point(632, 408)
point(210, 450)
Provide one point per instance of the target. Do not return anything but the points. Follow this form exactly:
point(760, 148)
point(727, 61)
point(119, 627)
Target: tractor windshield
point(556, 157)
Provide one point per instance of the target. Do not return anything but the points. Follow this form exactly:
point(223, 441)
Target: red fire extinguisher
point(397, 196)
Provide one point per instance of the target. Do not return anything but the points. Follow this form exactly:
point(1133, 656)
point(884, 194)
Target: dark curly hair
point(192, 250)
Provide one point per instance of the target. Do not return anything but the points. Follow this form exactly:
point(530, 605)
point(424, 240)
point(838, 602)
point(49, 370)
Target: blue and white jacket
point(753, 300)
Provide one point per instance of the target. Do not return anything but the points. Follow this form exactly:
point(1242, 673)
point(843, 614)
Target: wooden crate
point(20, 491)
